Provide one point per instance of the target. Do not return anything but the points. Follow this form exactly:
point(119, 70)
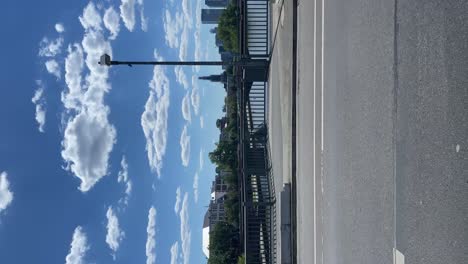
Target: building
point(216, 3)
point(215, 213)
point(210, 16)
point(222, 78)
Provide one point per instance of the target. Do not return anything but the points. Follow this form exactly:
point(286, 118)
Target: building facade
point(211, 16)
point(216, 3)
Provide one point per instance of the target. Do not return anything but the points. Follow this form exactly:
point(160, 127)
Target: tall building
point(216, 3)
point(222, 78)
point(215, 213)
point(210, 16)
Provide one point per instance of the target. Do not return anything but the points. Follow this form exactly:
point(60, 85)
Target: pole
point(188, 63)
point(243, 62)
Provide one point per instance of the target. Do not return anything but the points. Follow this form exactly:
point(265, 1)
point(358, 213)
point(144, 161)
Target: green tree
point(224, 244)
point(228, 28)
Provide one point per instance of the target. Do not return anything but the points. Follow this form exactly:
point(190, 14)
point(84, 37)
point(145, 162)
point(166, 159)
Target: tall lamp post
point(244, 62)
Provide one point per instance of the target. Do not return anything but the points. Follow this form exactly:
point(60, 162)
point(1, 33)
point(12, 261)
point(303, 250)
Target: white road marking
point(398, 257)
point(314, 126)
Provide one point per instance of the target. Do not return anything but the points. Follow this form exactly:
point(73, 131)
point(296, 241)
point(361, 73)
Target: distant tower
point(215, 77)
point(211, 16)
point(216, 3)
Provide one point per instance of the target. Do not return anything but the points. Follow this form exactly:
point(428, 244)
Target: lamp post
point(245, 62)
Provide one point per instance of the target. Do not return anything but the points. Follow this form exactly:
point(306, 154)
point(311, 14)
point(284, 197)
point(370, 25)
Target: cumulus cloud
point(184, 38)
point(154, 118)
point(6, 195)
point(185, 147)
point(151, 239)
point(195, 187)
point(185, 233)
point(112, 22)
point(78, 247)
point(177, 202)
point(127, 13)
point(114, 234)
point(53, 68)
point(39, 101)
point(50, 48)
point(195, 96)
point(174, 252)
point(88, 137)
point(202, 122)
point(181, 77)
point(186, 107)
point(124, 179)
point(59, 28)
point(172, 26)
point(90, 18)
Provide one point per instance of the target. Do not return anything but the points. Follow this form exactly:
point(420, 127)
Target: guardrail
point(258, 200)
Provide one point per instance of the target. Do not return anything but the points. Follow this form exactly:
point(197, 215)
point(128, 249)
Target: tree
point(224, 243)
point(228, 28)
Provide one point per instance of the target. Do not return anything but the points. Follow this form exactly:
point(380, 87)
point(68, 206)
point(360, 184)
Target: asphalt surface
point(382, 139)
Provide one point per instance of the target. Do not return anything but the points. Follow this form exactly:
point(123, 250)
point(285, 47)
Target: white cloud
point(50, 48)
point(78, 248)
point(154, 118)
point(172, 26)
point(195, 187)
point(202, 122)
point(185, 233)
point(124, 179)
point(151, 239)
point(187, 9)
point(90, 18)
point(186, 107)
point(196, 34)
point(112, 22)
point(185, 147)
point(184, 38)
point(180, 76)
point(195, 97)
point(59, 28)
point(144, 20)
point(88, 137)
point(174, 252)
point(114, 234)
point(177, 202)
point(127, 12)
point(6, 195)
point(53, 68)
point(39, 101)
point(73, 69)
point(202, 160)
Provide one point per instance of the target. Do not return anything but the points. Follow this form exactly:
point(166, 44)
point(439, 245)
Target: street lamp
point(245, 62)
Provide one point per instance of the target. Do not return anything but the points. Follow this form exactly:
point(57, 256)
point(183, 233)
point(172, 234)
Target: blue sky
point(97, 164)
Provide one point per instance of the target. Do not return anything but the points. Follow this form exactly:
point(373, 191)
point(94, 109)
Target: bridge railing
point(254, 28)
point(258, 197)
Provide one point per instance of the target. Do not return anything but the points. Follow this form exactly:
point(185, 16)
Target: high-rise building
point(210, 16)
point(216, 3)
point(222, 78)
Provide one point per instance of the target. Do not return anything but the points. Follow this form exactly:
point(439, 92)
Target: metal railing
point(258, 200)
point(255, 33)
point(258, 197)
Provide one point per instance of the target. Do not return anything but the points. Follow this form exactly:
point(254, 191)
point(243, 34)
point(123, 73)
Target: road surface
point(382, 131)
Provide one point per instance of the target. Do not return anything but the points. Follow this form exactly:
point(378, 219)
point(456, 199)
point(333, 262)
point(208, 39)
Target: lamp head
point(105, 60)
